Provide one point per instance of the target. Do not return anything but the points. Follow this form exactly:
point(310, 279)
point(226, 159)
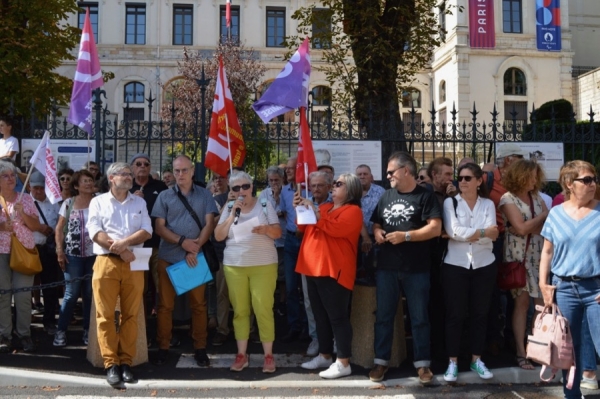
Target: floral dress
point(514, 245)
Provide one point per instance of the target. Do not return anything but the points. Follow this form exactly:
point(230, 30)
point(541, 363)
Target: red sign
point(482, 33)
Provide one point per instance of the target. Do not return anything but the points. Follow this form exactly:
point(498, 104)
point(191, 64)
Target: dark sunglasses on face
point(242, 187)
point(140, 164)
point(65, 178)
point(421, 177)
point(587, 180)
point(338, 183)
point(467, 178)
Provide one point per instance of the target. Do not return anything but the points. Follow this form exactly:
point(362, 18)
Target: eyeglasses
point(338, 183)
point(65, 178)
point(422, 177)
point(183, 171)
point(587, 180)
point(124, 174)
point(467, 178)
point(140, 164)
point(236, 189)
point(391, 172)
point(9, 176)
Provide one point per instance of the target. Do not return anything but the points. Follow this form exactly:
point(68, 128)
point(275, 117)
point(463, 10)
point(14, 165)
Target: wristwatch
point(407, 236)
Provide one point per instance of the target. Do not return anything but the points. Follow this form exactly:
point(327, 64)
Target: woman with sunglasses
point(524, 213)
point(64, 178)
point(250, 267)
point(571, 252)
point(422, 177)
point(469, 268)
point(328, 260)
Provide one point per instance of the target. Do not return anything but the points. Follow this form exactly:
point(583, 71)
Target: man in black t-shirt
point(407, 217)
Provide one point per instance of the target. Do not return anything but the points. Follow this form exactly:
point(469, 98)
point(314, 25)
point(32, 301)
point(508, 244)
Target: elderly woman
point(469, 268)
point(328, 260)
point(572, 253)
point(524, 213)
point(75, 255)
point(20, 216)
point(250, 267)
point(64, 177)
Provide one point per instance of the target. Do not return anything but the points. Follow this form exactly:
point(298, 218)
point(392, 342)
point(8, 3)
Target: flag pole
point(223, 89)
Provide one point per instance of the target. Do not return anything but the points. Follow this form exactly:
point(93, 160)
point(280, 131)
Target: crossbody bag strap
point(5, 207)
point(529, 235)
point(41, 213)
point(188, 207)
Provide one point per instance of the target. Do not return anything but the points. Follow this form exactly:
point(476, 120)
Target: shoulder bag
point(22, 260)
point(512, 275)
point(207, 249)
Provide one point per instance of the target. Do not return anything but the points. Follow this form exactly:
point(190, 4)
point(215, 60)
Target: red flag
point(225, 147)
point(228, 13)
point(306, 154)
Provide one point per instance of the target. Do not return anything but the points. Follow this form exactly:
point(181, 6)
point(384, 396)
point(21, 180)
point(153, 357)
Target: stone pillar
point(93, 349)
point(364, 305)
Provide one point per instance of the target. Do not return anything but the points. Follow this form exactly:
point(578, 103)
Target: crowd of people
point(436, 237)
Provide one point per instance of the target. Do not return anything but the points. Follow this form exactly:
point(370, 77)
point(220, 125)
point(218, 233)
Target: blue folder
point(185, 278)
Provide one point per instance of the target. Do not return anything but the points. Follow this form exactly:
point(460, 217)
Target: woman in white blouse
point(469, 269)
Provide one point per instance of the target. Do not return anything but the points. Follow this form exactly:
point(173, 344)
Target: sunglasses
point(391, 172)
point(338, 183)
point(467, 178)
point(236, 189)
point(587, 180)
point(65, 178)
point(421, 177)
point(140, 164)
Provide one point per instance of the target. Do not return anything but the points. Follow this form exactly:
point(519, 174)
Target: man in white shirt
point(118, 222)
point(44, 241)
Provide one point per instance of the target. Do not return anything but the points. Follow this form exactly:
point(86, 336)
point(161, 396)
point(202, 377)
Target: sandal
point(524, 363)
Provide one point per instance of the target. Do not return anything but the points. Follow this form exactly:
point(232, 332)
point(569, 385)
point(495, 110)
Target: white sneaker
point(317, 363)
point(451, 374)
point(479, 367)
point(589, 383)
point(60, 338)
point(336, 370)
point(313, 348)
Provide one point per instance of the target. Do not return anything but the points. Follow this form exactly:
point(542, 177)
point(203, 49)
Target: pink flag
point(43, 160)
point(88, 77)
point(228, 13)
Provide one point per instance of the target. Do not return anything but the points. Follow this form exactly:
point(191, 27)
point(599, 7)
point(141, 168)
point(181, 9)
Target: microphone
point(238, 211)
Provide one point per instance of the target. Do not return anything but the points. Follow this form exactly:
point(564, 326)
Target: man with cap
point(44, 241)
point(148, 188)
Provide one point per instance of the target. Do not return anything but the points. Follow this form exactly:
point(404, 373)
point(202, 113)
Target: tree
point(34, 41)
point(371, 50)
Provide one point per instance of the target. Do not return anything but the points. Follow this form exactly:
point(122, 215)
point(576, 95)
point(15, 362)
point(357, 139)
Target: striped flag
point(43, 160)
point(88, 77)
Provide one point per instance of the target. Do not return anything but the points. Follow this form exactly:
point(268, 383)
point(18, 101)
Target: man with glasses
point(148, 188)
point(118, 222)
point(182, 238)
point(219, 183)
point(407, 217)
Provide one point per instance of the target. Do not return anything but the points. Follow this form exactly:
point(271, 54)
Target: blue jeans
point(575, 300)
point(588, 353)
point(390, 284)
point(75, 268)
point(295, 313)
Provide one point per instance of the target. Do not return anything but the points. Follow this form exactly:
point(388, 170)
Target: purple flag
point(87, 78)
point(289, 90)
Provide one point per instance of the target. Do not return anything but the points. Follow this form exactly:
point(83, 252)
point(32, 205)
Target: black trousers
point(51, 273)
point(468, 294)
point(330, 303)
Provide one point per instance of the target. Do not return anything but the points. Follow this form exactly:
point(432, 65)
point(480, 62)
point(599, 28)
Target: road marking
point(186, 360)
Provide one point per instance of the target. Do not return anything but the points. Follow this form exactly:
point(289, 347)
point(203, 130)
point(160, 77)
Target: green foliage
point(561, 110)
point(34, 41)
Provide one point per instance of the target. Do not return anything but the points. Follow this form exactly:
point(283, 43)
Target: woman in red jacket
point(328, 260)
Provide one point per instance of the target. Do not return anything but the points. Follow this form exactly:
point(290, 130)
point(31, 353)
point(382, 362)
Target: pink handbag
point(551, 344)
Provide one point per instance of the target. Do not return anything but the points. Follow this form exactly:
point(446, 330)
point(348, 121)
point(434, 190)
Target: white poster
point(345, 156)
point(550, 155)
point(68, 153)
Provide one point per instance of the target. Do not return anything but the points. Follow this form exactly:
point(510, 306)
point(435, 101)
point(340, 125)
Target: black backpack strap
point(41, 213)
point(455, 203)
point(490, 181)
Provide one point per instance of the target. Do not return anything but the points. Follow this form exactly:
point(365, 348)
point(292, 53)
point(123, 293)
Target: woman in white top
point(250, 267)
point(9, 145)
point(469, 269)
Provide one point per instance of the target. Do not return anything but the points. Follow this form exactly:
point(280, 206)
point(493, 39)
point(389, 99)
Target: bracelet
point(181, 239)
point(482, 233)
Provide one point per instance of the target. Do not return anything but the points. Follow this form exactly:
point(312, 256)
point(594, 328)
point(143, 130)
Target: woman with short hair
point(328, 260)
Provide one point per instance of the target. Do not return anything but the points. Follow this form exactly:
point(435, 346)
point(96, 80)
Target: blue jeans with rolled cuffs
point(576, 300)
point(390, 284)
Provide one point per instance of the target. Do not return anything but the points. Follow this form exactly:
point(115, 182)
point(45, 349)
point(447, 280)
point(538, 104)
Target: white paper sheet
point(142, 257)
point(305, 215)
point(242, 230)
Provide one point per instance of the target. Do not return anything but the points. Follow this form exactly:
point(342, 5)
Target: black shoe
point(162, 356)
point(304, 337)
point(201, 358)
point(126, 373)
point(113, 375)
point(291, 336)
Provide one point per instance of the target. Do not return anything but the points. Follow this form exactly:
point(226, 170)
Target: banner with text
point(482, 33)
point(547, 21)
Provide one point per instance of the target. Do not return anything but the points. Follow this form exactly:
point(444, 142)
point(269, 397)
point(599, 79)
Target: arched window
point(134, 93)
point(442, 93)
point(515, 83)
point(411, 97)
point(321, 95)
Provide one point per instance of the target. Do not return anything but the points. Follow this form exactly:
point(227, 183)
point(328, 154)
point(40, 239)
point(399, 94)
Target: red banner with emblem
point(482, 32)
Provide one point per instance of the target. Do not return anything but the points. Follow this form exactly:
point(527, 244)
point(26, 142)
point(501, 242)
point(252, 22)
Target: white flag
point(43, 160)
